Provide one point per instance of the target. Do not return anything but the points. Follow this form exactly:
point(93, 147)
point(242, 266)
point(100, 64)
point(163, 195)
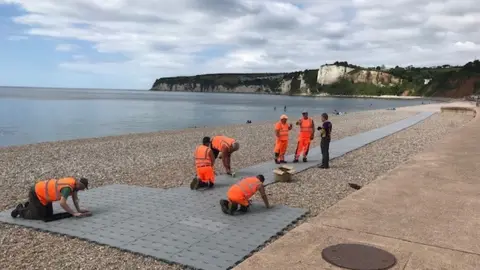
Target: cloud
point(17, 38)
point(66, 47)
point(183, 37)
point(467, 46)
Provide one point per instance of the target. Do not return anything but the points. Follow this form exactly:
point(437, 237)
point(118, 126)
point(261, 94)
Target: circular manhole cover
point(358, 257)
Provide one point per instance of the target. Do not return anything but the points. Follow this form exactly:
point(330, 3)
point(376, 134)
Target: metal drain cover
point(358, 257)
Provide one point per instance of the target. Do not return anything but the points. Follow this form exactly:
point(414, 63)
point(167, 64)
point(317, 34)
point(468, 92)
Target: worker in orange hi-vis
point(204, 162)
point(307, 129)
point(240, 193)
point(281, 143)
point(223, 147)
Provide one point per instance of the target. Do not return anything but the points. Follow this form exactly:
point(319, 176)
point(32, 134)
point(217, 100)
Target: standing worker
point(281, 143)
point(241, 192)
point(44, 193)
point(204, 162)
point(307, 129)
point(223, 147)
point(325, 134)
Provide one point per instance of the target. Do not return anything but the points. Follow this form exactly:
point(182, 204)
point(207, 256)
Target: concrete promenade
point(425, 212)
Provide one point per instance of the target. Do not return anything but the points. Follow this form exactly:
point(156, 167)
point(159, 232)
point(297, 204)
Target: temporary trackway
point(187, 227)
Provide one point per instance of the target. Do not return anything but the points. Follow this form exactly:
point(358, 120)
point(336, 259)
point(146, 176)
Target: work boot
point(224, 206)
point(283, 161)
point(232, 207)
point(243, 209)
point(194, 184)
point(202, 184)
point(211, 185)
point(304, 159)
point(323, 166)
point(295, 160)
point(16, 211)
point(277, 162)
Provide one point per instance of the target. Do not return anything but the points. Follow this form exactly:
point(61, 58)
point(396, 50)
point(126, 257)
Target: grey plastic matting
point(187, 227)
point(176, 225)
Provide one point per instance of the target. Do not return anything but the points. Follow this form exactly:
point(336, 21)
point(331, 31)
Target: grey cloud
point(87, 11)
point(336, 45)
point(163, 47)
point(252, 40)
point(288, 36)
point(224, 8)
point(267, 21)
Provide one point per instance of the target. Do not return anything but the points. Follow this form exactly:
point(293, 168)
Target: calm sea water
point(32, 115)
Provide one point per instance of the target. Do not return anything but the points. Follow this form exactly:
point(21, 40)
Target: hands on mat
point(83, 213)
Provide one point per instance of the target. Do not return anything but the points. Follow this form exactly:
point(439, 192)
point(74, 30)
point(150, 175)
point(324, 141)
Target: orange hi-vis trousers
point(303, 146)
point(206, 174)
point(280, 149)
point(235, 195)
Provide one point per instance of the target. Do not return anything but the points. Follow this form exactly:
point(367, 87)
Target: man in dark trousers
point(325, 132)
point(44, 193)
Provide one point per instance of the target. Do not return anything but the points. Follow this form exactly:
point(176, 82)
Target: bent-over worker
point(44, 193)
point(307, 129)
point(325, 134)
point(281, 143)
point(241, 192)
point(204, 162)
point(224, 146)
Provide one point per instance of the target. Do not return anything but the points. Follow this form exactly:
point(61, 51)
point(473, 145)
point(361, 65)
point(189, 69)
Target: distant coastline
point(388, 97)
point(391, 97)
point(385, 97)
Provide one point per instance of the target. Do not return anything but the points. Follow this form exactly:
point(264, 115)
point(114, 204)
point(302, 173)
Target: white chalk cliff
point(287, 83)
point(328, 74)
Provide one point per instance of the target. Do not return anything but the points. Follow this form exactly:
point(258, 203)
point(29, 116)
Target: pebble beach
point(165, 159)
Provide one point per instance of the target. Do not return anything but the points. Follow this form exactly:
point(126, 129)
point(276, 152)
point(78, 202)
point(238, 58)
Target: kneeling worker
point(44, 193)
point(241, 192)
point(204, 161)
point(225, 146)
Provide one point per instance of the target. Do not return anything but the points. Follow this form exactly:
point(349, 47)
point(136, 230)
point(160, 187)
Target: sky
point(127, 44)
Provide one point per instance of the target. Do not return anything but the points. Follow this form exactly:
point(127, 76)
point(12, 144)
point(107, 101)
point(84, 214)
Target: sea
point(34, 115)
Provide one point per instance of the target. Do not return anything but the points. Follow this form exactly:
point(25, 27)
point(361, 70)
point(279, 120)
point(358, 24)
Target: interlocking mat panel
point(175, 225)
point(187, 227)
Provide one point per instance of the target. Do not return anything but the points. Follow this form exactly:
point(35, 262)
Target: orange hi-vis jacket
point(220, 142)
point(283, 131)
point(49, 190)
point(306, 128)
point(202, 156)
point(248, 186)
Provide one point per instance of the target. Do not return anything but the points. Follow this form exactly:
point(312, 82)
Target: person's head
point(235, 147)
point(206, 141)
point(324, 117)
point(261, 178)
point(283, 118)
point(305, 114)
point(82, 184)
